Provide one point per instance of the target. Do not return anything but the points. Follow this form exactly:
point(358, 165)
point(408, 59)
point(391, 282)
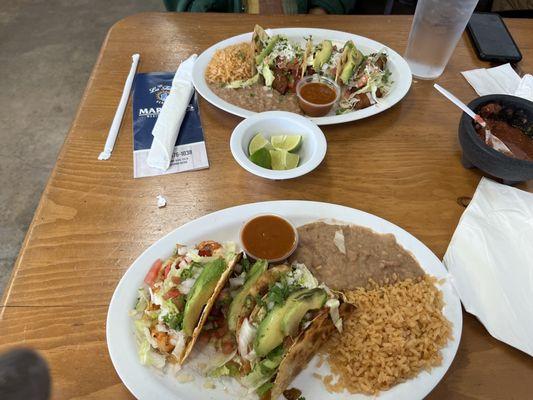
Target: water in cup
point(436, 29)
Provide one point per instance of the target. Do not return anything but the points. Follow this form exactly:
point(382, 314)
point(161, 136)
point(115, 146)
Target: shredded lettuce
point(267, 75)
point(148, 356)
point(143, 300)
point(146, 344)
point(264, 370)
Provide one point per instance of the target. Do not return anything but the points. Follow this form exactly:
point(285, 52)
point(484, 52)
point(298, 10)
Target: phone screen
point(492, 39)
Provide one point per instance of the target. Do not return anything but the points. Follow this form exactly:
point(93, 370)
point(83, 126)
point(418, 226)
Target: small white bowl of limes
point(278, 145)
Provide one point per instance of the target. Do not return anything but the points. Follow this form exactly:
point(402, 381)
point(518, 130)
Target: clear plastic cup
point(436, 29)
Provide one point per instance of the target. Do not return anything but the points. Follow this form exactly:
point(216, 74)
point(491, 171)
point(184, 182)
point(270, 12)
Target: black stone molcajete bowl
point(477, 154)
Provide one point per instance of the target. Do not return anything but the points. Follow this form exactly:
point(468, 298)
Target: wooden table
point(94, 219)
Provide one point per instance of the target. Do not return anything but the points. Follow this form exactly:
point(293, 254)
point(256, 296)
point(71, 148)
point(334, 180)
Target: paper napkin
point(169, 121)
point(490, 258)
point(500, 80)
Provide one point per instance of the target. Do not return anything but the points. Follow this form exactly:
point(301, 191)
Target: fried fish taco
point(350, 60)
point(177, 297)
point(278, 318)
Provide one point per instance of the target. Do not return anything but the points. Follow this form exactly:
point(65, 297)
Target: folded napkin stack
point(500, 80)
point(490, 258)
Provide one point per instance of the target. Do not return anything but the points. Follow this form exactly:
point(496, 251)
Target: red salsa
point(268, 237)
point(318, 93)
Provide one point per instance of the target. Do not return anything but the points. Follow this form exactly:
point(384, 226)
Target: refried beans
point(348, 256)
point(258, 98)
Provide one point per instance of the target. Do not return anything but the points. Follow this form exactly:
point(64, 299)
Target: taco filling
point(175, 299)
point(268, 319)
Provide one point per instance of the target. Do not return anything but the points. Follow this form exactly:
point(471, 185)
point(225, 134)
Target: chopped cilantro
point(188, 272)
point(279, 292)
point(259, 301)
point(174, 321)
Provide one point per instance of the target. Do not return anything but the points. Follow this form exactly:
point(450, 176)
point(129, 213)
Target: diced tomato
point(153, 273)
point(167, 270)
point(171, 294)
point(176, 280)
point(227, 347)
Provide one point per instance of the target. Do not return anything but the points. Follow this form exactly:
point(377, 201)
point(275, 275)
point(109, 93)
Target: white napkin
point(169, 121)
point(490, 258)
point(500, 80)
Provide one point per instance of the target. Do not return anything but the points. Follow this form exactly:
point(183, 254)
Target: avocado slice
point(269, 334)
point(236, 307)
point(298, 306)
point(322, 56)
point(267, 50)
point(354, 59)
point(200, 293)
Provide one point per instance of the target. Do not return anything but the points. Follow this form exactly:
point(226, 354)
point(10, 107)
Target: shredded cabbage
point(178, 339)
point(245, 337)
point(186, 286)
point(301, 276)
point(333, 305)
point(339, 241)
point(237, 281)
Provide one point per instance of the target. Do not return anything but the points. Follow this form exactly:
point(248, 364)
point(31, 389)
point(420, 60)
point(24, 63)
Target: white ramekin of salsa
point(317, 94)
point(269, 237)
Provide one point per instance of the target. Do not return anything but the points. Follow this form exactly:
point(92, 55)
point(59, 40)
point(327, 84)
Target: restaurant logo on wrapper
point(160, 93)
point(149, 94)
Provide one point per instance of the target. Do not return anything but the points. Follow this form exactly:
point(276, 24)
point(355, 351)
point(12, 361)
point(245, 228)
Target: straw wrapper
point(117, 120)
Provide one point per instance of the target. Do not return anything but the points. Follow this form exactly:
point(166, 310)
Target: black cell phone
point(492, 39)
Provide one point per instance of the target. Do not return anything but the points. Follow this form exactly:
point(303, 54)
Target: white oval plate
point(400, 72)
point(311, 152)
point(224, 225)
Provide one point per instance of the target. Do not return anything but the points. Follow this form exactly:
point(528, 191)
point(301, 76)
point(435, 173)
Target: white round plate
point(224, 225)
point(312, 150)
point(400, 72)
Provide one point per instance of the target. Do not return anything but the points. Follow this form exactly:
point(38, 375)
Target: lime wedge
point(258, 142)
point(262, 158)
point(286, 142)
point(282, 159)
point(291, 160)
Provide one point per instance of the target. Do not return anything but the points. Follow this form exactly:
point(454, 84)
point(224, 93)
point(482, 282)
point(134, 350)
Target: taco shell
point(303, 350)
point(207, 309)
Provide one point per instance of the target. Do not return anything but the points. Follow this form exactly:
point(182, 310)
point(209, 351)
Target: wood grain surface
point(94, 219)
